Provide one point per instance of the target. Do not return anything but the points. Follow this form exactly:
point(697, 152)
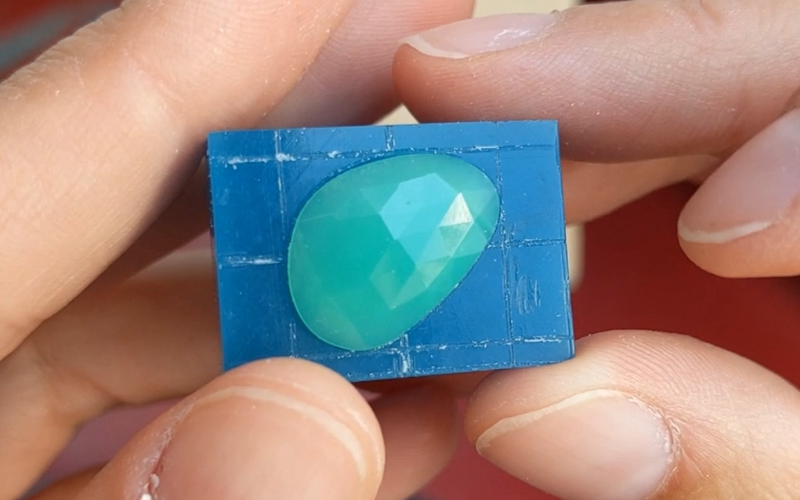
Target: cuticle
point(150, 488)
point(675, 456)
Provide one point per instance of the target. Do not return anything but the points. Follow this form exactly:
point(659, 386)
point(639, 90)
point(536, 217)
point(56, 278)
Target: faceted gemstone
point(379, 247)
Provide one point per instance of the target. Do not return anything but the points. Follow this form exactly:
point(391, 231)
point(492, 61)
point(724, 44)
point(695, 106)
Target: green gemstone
point(380, 246)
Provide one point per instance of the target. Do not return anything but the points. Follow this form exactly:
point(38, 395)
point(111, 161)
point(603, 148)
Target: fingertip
point(723, 260)
point(286, 426)
point(316, 384)
point(639, 415)
point(741, 222)
point(628, 465)
point(767, 253)
point(304, 376)
point(559, 428)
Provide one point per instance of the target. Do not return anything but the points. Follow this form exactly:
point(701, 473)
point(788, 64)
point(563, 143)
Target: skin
point(123, 107)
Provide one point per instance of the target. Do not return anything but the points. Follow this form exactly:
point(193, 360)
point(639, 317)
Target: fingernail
point(253, 443)
point(481, 35)
point(599, 445)
point(751, 191)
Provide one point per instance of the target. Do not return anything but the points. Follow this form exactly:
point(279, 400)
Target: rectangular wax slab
point(511, 311)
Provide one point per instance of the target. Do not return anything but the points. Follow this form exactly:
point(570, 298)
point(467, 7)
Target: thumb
point(744, 221)
point(281, 428)
point(641, 415)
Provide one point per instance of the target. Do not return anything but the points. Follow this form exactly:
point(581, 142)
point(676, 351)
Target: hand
point(649, 93)
point(99, 146)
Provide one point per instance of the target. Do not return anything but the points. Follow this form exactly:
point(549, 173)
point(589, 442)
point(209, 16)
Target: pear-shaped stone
point(380, 246)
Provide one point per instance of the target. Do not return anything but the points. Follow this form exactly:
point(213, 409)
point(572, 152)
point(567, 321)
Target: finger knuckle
point(706, 16)
point(66, 391)
point(732, 22)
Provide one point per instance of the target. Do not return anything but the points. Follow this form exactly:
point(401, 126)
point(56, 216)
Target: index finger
point(628, 81)
point(98, 135)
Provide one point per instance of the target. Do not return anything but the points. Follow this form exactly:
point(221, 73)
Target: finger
point(154, 338)
point(69, 488)
point(640, 415)
point(184, 220)
point(350, 82)
point(419, 434)
point(627, 81)
point(284, 426)
point(744, 221)
point(592, 190)
point(123, 107)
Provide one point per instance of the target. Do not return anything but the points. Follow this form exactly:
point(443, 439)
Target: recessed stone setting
point(380, 246)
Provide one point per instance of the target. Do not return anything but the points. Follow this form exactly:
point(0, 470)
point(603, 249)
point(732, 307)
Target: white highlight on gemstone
point(458, 213)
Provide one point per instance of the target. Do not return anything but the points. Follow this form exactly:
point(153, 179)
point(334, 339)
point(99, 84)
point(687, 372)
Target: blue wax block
point(511, 310)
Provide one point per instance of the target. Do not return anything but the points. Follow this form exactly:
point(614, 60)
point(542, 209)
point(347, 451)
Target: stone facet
point(379, 247)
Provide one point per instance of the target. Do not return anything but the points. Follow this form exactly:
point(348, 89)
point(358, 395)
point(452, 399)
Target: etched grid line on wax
point(504, 244)
point(280, 183)
point(511, 309)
